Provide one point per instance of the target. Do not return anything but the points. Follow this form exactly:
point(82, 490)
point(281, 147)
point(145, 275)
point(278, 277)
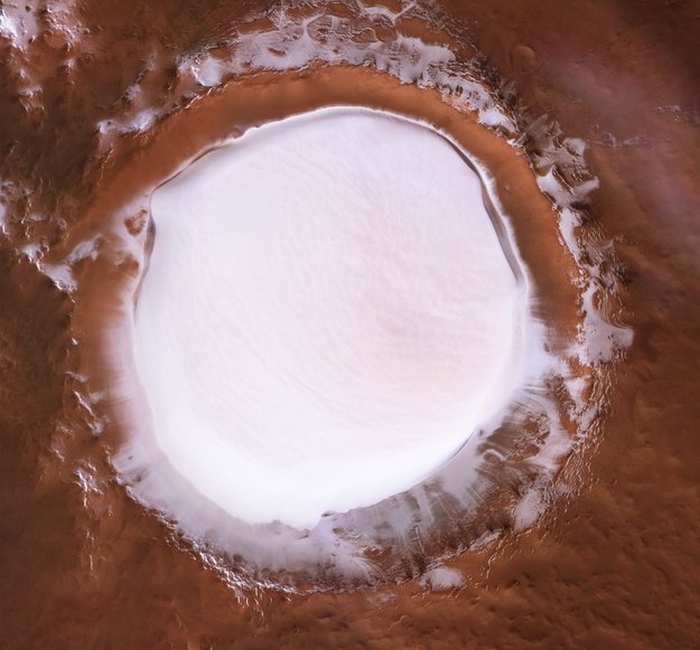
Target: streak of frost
point(4, 226)
point(442, 579)
point(61, 273)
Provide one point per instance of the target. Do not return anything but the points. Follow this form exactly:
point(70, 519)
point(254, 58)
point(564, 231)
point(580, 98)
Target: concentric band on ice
point(326, 317)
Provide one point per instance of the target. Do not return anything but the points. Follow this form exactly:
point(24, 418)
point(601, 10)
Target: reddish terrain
point(614, 564)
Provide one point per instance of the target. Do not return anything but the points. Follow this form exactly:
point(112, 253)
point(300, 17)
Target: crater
point(341, 309)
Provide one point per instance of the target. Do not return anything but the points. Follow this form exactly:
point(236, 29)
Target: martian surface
point(349, 325)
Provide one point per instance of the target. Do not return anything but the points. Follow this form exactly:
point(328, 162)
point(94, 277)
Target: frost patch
point(442, 579)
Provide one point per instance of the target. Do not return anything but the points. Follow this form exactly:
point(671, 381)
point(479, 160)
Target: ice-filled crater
point(326, 317)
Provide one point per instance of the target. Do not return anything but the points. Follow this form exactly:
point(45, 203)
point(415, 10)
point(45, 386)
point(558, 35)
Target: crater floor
point(326, 315)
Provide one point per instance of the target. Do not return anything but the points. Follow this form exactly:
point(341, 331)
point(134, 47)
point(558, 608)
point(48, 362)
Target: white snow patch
point(19, 26)
point(442, 579)
point(209, 72)
point(4, 226)
point(529, 509)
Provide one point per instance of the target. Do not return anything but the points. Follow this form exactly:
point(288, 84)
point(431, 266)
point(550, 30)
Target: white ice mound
point(327, 315)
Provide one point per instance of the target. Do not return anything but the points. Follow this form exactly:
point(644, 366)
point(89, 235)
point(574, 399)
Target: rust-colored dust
point(614, 565)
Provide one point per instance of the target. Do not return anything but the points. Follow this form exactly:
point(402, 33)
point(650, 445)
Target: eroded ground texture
point(101, 101)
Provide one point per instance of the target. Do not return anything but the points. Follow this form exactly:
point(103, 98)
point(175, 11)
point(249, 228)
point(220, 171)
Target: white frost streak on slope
point(62, 273)
point(442, 579)
point(4, 228)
